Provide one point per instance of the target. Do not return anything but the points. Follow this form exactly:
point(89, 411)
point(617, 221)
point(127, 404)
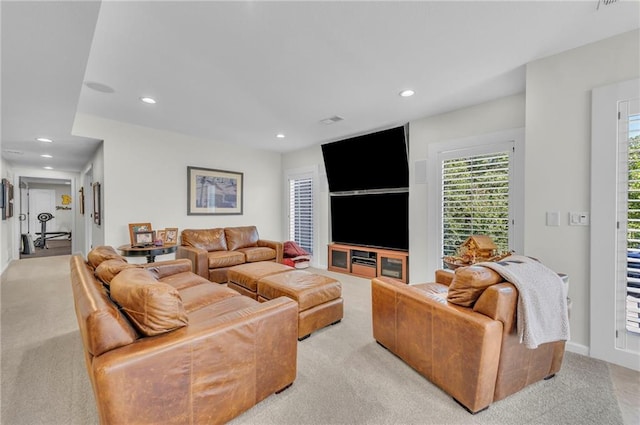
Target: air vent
point(605, 3)
point(10, 152)
point(331, 120)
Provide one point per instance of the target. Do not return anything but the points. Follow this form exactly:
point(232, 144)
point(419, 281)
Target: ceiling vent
point(331, 120)
point(11, 152)
point(605, 3)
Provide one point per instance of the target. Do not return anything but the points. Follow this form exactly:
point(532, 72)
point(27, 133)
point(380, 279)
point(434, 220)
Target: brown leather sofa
point(471, 351)
point(175, 348)
point(213, 251)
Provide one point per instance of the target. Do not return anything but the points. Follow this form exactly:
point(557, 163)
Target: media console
point(369, 262)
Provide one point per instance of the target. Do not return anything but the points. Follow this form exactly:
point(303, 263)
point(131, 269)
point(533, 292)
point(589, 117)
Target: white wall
point(63, 217)
point(145, 179)
point(491, 117)
point(557, 160)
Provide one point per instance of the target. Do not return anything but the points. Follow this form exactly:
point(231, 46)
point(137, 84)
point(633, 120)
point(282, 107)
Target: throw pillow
point(107, 270)
point(469, 283)
point(102, 253)
point(153, 307)
point(291, 249)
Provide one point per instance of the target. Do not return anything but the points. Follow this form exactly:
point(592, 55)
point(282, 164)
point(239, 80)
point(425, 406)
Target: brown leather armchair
point(471, 352)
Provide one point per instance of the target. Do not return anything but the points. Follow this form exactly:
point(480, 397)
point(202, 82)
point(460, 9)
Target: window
point(629, 211)
point(475, 199)
point(301, 212)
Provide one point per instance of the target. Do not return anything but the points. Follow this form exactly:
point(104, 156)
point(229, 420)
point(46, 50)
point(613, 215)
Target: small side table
point(150, 252)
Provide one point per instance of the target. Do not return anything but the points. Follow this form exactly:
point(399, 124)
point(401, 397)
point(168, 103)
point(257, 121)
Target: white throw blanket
point(542, 302)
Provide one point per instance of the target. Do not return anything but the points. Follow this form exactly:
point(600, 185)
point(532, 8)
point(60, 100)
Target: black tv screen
point(379, 220)
point(373, 161)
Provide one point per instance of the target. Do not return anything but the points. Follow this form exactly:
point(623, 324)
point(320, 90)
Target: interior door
point(41, 201)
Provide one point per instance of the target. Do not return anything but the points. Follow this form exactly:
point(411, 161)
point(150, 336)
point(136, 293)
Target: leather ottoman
point(319, 297)
point(244, 278)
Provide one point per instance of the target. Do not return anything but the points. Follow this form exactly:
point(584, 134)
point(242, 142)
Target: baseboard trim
point(577, 348)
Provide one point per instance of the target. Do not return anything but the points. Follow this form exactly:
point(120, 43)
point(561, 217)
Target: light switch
point(578, 218)
point(553, 218)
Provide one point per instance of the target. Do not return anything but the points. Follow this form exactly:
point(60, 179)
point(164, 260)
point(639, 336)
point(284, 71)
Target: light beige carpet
point(344, 377)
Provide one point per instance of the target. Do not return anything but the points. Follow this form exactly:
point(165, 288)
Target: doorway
point(46, 217)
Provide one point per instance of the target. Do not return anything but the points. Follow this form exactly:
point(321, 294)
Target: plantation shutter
point(475, 199)
point(301, 212)
point(629, 211)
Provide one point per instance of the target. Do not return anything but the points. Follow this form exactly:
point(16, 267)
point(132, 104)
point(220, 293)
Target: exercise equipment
point(41, 241)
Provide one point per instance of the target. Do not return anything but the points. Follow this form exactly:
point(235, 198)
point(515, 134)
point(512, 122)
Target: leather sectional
point(164, 345)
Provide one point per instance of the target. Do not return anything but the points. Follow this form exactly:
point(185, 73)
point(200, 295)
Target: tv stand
point(369, 262)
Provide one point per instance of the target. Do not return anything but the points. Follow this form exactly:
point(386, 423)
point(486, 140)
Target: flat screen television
point(373, 161)
point(376, 220)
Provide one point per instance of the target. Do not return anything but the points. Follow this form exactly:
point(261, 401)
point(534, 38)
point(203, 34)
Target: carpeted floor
point(344, 377)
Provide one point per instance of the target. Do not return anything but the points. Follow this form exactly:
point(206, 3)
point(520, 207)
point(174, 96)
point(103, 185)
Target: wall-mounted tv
point(373, 161)
point(379, 220)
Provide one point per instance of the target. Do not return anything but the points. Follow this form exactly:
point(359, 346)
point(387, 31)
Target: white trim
point(474, 145)
point(604, 162)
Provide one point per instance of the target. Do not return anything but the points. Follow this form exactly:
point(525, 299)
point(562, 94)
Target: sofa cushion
point(102, 253)
point(219, 259)
point(258, 253)
point(207, 239)
point(153, 307)
point(107, 270)
point(241, 237)
point(469, 283)
point(434, 291)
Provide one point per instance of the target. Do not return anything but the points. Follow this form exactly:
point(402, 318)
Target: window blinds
point(301, 212)
point(475, 199)
point(629, 211)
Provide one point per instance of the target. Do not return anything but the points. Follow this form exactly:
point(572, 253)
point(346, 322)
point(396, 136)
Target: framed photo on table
point(214, 192)
point(171, 236)
point(138, 227)
point(143, 238)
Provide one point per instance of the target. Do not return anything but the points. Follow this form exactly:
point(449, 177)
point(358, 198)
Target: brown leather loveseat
point(470, 350)
point(213, 251)
point(166, 346)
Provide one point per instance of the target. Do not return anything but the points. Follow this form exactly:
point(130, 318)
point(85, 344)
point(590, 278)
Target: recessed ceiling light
point(148, 100)
point(280, 136)
point(407, 93)
point(44, 139)
point(48, 168)
point(46, 155)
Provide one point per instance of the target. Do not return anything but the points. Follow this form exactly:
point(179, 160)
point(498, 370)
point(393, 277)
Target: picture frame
point(160, 235)
point(97, 216)
point(171, 236)
point(138, 227)
point(81, 200)
point(143, 238)
point(214, 192)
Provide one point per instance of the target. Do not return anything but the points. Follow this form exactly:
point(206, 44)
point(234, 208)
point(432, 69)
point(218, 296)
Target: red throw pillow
point(292, 249)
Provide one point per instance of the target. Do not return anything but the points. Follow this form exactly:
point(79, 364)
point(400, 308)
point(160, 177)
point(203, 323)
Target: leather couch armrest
point(444, 277)
point(499, 302)
point(167, 268)
point(209, 367)
point(198, 257)
point(277, 246)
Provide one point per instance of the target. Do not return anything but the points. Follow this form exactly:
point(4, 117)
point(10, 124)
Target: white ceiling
point(241, 72)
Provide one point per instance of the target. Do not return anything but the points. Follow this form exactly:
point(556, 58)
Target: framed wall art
point(214, 192)
point(142, 238)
